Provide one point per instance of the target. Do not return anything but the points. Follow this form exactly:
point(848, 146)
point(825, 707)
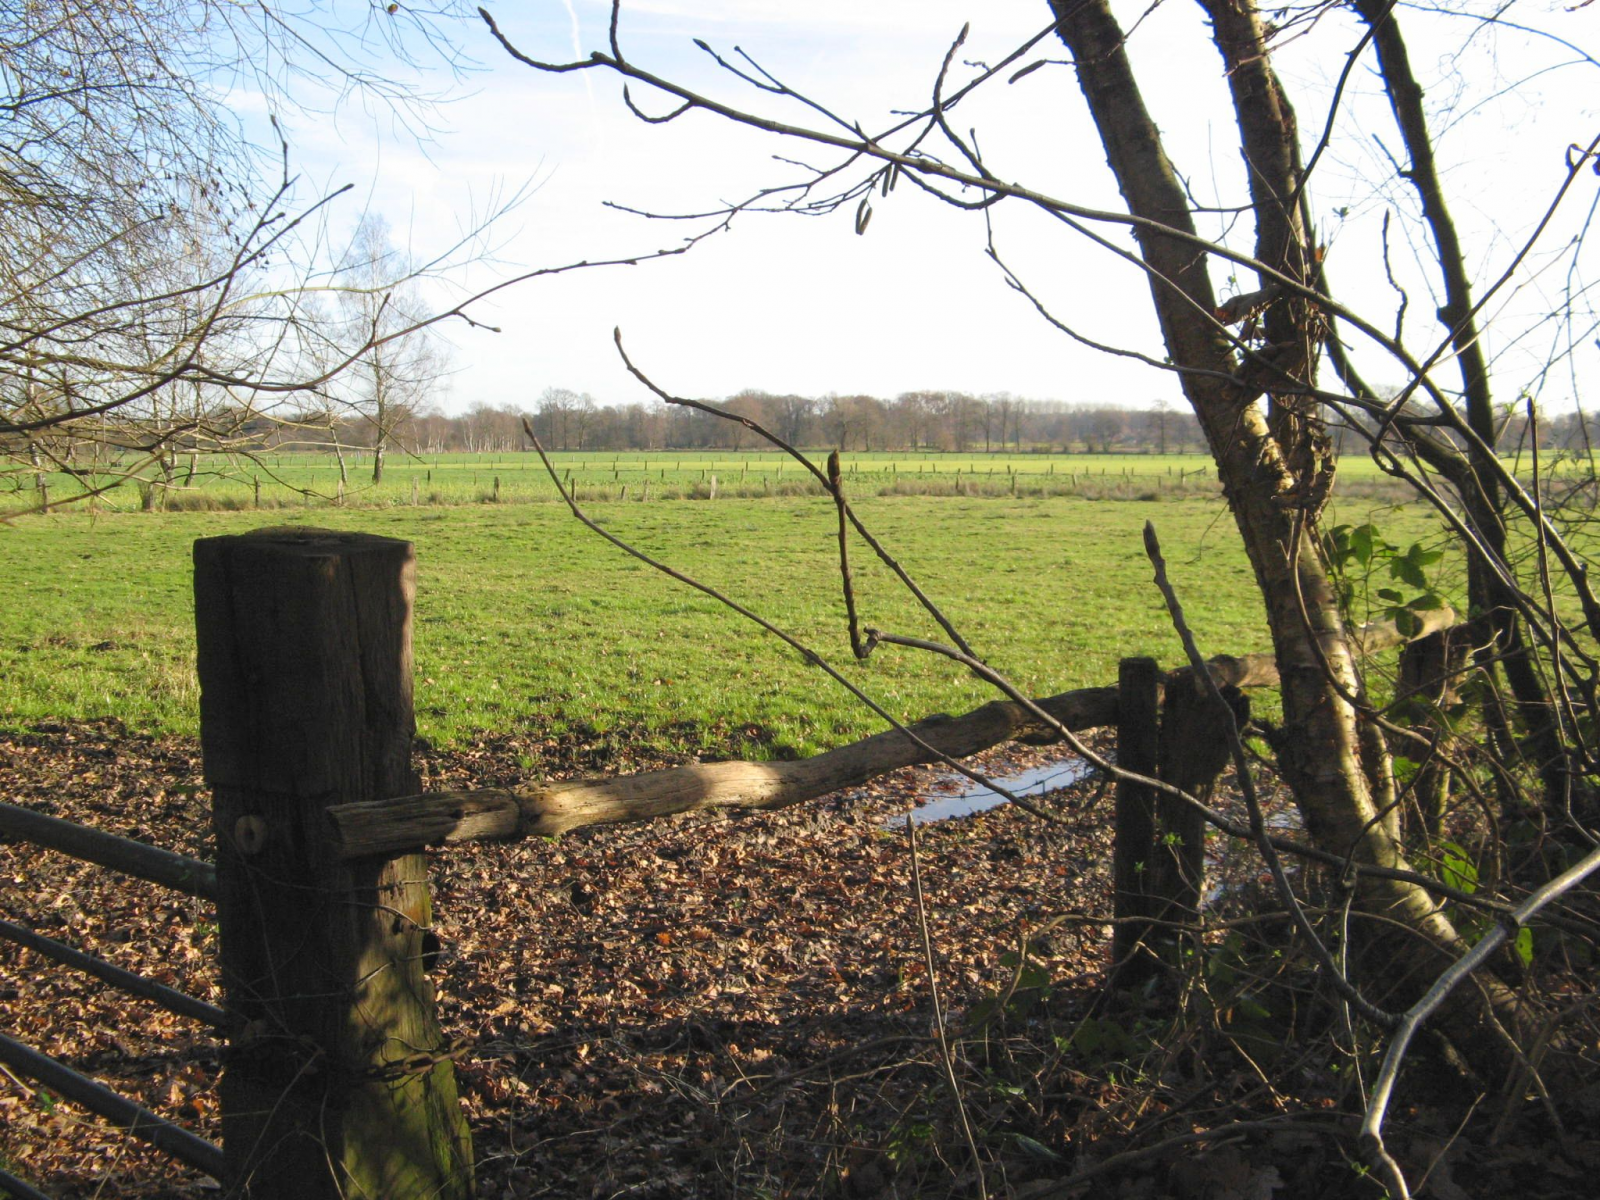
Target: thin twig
point(945, 1055)
point(836, 486)
point(761, 431)
point(1383, 1088)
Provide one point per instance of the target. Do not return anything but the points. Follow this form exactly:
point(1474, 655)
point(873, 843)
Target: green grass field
point(523, 616)
point(303, 480)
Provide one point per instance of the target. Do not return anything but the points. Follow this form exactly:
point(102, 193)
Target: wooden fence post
point(1195, 748)
point(1176, 734)
point(1134, 836)
point(1431, 668)
point(339, 1084)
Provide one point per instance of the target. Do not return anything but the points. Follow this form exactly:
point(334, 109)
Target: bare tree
point(1161, 417)
point(794, 414)
point(1248, 365)
point(398, 363)
point(159, 270)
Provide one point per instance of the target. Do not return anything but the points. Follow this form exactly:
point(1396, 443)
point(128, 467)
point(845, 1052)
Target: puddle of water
point(975, 798)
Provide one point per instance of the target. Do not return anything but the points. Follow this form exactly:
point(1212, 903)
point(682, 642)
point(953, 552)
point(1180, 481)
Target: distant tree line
point(912, 421)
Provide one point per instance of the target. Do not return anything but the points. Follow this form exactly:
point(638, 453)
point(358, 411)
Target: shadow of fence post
point(339, 1083)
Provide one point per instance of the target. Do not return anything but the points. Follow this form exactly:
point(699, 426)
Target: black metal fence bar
point(168, 998)
point(97, 1098)
point(183, 874)
point(15, 1189)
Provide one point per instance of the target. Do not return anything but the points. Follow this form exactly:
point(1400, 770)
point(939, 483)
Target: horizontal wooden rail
point(168, 998)
point(407, 822)
point(97, 1098)
point(18, 1190)
point(176, 871)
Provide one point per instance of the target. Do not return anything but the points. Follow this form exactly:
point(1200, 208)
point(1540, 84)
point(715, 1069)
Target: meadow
point(307, 480)
point(525, 618)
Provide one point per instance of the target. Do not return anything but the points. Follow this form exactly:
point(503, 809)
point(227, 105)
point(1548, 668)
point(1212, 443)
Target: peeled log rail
point(188, 875)
point(389, 826)
point(380, 826)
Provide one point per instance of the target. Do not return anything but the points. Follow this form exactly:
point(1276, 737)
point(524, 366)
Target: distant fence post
point(339, 1084)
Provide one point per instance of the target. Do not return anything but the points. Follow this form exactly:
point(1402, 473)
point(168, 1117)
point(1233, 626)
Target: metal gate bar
point(13, 1187)
point(97, 1098)
point(188, 875)
point(169, 998)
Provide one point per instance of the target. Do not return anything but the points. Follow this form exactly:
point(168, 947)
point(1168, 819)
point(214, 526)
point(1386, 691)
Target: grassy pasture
point(304, 480)
point(523, 615)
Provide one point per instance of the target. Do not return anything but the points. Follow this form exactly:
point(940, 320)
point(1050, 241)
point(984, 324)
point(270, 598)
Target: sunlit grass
point(525, 617)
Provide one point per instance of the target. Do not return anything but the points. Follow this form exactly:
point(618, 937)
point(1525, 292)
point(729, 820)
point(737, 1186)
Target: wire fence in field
point(299, 480)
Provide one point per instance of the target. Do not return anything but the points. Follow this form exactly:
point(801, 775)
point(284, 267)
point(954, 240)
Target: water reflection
point(975, 798)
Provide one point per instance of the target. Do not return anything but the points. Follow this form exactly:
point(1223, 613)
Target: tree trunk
point(1273, 469)
point(1481, 497)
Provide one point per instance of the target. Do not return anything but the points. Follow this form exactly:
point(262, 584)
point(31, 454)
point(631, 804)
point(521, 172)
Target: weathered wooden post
point(1196, 746)
point(1431, 669)
point(339, 1085)
point(1134, 834)
point(1170, 730)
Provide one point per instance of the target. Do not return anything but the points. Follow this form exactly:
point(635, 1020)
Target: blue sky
point(790, 304)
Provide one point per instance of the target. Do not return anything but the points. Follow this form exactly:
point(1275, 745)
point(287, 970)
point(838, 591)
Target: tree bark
point(1269, 475)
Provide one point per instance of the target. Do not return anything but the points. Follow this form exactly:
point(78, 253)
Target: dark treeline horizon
point(958, 422)
point(918, 421)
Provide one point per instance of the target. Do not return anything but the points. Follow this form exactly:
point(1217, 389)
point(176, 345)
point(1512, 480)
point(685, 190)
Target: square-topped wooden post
point(340, 1083)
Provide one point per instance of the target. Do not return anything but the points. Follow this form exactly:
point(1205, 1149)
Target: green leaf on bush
point(1408, 571)
point(1523, 945)
point(1457, 869)
point(1361, 544)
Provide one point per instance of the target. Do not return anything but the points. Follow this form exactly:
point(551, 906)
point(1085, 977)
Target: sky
point(786, 303)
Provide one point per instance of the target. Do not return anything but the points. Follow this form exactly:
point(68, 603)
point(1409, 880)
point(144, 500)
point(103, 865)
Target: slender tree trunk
point(1481, 496)
point(1272, 464)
